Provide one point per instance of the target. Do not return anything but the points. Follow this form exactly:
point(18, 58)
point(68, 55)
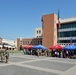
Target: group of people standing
point(51, 53)
point(37, 52)
point(64, 53)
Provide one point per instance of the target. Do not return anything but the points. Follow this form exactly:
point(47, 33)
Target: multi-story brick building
point(28, 41)
point(51, 34)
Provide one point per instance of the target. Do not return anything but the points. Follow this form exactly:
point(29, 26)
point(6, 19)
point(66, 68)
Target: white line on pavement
point(71, 71)
point(61, 61)
point(40, 68)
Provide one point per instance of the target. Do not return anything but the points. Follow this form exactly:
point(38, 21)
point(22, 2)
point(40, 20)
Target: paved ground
point(32, 65)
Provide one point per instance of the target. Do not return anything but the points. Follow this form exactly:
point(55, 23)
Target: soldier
point(45, 53)
point(49, 53)
point(38, 52)
point(6, 56)
point(2, 56)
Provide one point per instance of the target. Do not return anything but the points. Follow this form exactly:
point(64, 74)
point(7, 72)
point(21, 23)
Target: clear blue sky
point(19, 18)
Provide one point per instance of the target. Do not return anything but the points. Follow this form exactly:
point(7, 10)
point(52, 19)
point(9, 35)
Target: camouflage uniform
point(45, 53)
point(2, 55)
point(49, 53)
point(6, 56)
point(38, 52)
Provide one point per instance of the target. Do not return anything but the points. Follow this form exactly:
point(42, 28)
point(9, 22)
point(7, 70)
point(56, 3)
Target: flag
point(58, 20)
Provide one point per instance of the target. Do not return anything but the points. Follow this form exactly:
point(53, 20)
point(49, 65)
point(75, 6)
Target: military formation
point(4, 54)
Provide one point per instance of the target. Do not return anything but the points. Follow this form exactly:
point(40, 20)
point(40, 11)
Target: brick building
point(28, 41)
point(51, 34)
point(49, 27)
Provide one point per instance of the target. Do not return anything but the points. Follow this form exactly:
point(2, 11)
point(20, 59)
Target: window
point(28, 42)
point(67, 41)
point(34, 42)
point(37, 36)
point(68, 25)
point(37, 32)
point(38, 42)
point(67, 34)
point(23, 42)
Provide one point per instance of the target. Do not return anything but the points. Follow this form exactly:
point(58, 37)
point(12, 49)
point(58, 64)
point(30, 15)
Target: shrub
point(21, 48)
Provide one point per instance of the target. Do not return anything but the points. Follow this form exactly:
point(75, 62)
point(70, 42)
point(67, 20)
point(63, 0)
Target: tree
point(21, 48)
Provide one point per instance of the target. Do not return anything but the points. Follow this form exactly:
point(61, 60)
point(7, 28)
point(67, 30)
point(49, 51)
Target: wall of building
point(28, 41)
point(18, 42)
point(38, 32)
point(10, 44)
point(13, 43)
point(49, 37)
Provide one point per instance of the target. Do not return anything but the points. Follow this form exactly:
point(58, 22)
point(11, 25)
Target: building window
point(68, 25)
point(38, 42)
point(37, 32)
point(37, 36)
point(67, 41)
point(68, 34)
point(23, 42)
point(34, 42)
point(28, 42)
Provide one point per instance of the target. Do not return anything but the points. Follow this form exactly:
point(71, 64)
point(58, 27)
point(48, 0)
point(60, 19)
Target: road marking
point(39, 68)
point(71, 71)
point(62, 61)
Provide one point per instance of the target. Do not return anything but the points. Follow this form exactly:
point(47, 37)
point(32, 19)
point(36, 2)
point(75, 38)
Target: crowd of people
point(51, 53)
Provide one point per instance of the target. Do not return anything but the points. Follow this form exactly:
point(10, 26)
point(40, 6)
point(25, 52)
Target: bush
point(21, 48)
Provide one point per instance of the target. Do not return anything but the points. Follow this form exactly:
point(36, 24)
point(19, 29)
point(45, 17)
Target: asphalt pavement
point(20, 64)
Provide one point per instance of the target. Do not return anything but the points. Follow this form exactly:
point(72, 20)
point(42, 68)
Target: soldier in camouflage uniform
point(38, 52)
point(49, 53)
point(45, 52)
point(6, 56)
point(2, 56)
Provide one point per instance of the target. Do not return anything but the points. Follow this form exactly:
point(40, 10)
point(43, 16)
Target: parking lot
point(20, 64)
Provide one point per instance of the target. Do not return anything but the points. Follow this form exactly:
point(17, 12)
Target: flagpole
point(58, 35)
point(58, 26)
